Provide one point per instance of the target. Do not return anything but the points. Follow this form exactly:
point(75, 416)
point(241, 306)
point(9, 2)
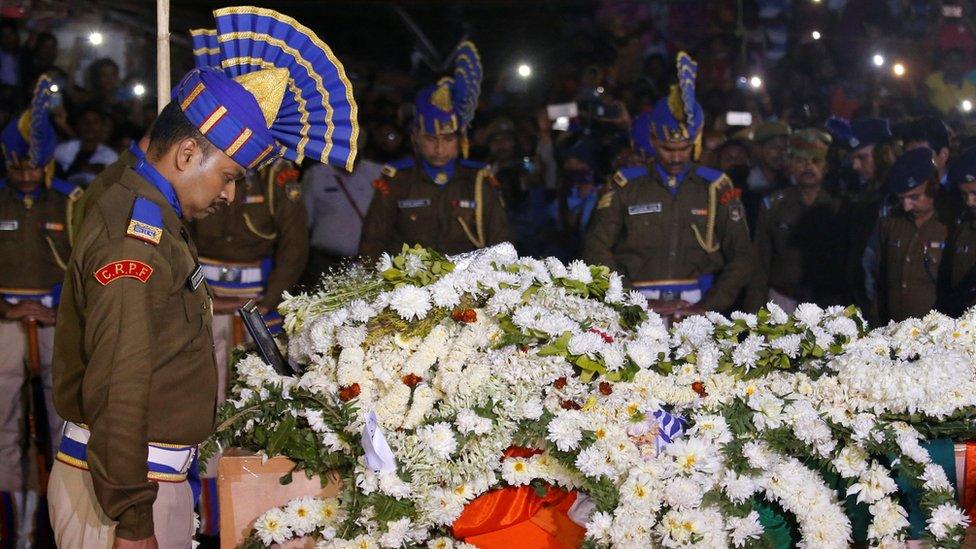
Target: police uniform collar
point(666, 177)
point(27, 198)
point(440, 175)
point(156, 179)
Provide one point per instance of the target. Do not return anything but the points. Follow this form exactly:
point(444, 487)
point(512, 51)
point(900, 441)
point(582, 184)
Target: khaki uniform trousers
point(13, 373)
point(79, 522)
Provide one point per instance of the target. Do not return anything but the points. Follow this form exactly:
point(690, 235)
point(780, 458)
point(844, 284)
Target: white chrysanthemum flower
point(642, 353)
point(598, 529)
point(385, 262)
point(444, 294)
point(351, 336)
point(273, 527)
point(580, 271)
point(564, 430)
point(504, 300)
point(360, 311)
point(935, 478)
point(946, 518)
point(586, 343)
point(889, 519)
point(873, 485)
point(777, 314)
point(613, 357)
point(743, 529)
point(842, 325)
point(739, 487)
point(410, 302)
point(789, 344)
point(468, 421)
point(851, 461)
point(438, 438)
point(683, 493)
point(749, 318)
point(615, 290)
point(747, 353)
point(396, 533)
point(808, 314)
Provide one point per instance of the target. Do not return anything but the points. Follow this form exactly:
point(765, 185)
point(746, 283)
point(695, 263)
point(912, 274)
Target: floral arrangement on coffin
point(420, 374)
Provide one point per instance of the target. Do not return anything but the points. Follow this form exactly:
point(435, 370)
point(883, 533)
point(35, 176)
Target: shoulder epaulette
point(708, 174)
point(146, 221)
point(474, 164)
point(630, 173)
point(72, 191)
point(390, 169)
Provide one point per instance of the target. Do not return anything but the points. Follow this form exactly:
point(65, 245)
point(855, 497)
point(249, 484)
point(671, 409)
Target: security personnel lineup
point(119, 302)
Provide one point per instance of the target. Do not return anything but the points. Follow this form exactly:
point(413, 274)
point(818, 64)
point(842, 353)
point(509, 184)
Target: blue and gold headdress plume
point(29, 140)
point(266, 83)
point(449, 105)
point(679, 117)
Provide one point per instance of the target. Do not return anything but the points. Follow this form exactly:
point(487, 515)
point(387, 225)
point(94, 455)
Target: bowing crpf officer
point(134, 370)
point(674, 229)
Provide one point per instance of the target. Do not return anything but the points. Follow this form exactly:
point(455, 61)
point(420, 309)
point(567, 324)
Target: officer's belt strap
point(166, 462)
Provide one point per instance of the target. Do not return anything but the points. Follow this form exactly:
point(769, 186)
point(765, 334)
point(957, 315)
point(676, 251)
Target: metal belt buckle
point(230, 274)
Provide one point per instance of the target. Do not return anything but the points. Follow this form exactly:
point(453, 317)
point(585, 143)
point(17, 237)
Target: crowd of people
point(717, 155)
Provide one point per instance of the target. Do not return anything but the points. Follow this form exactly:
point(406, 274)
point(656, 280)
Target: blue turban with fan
point(678, 117)
point(29, 140)
point(264, 86)
point(449, 105)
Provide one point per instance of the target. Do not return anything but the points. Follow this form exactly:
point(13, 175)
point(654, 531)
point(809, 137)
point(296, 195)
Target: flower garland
point(420, 375)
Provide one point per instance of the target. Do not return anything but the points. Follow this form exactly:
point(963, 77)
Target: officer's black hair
point(171, 127)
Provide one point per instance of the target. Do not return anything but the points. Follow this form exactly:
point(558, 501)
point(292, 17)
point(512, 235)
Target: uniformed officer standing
point(435, 199)
point(135, 375)
point(675, 230)
point(35, 244)
point(961, 260)
point(912, 239)
point(801, 235)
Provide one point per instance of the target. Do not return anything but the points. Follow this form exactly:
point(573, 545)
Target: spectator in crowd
point(732, 158)
point(81, 159)
point(801, 234)
point(931, 132)
point(948, 87)
point(39, 56)
point(10, 75)
point(578, 196)
point(960, 294)
point(770, 156)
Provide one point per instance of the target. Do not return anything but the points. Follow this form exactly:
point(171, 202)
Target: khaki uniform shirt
point(108, 177)
point(911, 260)
point(35, 237)
point(133, 353)
point(267, 218)
point(963, 248)
point(801, 249)
point(409, 208)
point(646, 233)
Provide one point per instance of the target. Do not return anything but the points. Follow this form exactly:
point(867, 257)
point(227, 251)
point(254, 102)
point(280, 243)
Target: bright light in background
point(966, 105)
point(96, 38)
point(54, 88)
point(755, 82)
point(139, 90)
point(599, 89)
point(878, 60)
point(816, 35)
point(898, 69)
point(524, 70)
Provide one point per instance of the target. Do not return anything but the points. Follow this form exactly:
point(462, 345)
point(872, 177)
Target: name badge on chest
point(195, 278)
point(413, 203)
point(9, 224)
point(639, 209)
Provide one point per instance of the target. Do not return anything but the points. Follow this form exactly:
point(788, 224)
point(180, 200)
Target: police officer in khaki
point(960, 293)
point(912, 239)
point(436, 199)
point(134, 370)
point(35, 243)
point(801, 235)
point(255, 248)
point(675, 230)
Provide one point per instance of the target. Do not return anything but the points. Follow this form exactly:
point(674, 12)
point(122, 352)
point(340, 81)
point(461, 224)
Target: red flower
point(699, 388)
point(730, 195)
point(348, 393)
point(605, 388)
point(467, 316)
point(286, 175)
point(607, 338)
point(411, 380)
point(559, 383)
point(569, 405)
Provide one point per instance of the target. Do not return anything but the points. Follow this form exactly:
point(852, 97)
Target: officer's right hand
point(30, 309)
point(148, 543)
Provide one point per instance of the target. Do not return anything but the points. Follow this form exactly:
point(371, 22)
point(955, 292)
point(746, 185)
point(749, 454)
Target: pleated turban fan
point(449, 105)
point(266, 86)
point(29, 139)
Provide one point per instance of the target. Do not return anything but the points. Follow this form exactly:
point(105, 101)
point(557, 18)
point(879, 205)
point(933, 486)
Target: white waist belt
point(166, 462)
point(241, 275)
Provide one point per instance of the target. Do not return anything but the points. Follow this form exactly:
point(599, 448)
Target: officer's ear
point(186, 149)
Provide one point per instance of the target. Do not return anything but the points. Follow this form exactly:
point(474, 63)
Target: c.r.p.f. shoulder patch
point(125, 268)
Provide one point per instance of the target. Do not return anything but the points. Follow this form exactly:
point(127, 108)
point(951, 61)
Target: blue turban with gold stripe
point(29, 140)
point(449, 105)
point(679, 117)
point(265, 85)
